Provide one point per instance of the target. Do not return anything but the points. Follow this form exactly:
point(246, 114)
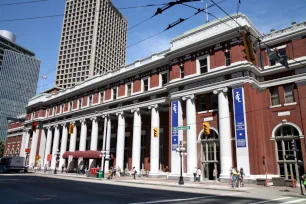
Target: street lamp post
point(180, 149)
point(293, 145)
point(105, 155)
point(57, 154)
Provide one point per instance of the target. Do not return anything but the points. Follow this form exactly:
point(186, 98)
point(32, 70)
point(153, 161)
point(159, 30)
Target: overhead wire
point(23, 2)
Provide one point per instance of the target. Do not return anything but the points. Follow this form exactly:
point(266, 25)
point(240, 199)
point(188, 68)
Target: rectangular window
point(227, 58)
point(182, 71)
point(289, 93)
point(203, 106)
point(203, 65)
point(90, 100)
point(129, 89)
point(70, 106)
point(101, 97)
point(214, 102)
point(164, 79)
point(274, 96)
point(114, 93)
point(145, 85)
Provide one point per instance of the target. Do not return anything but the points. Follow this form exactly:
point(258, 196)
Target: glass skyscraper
point(19, 71)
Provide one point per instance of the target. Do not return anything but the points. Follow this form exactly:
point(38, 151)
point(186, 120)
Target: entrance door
point(210, 155)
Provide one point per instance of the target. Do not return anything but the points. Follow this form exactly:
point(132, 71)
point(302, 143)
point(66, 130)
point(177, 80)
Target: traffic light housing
point(248, 48)
point(155, 130)
point(71, 126)
point(34, 126)
point(206, 128)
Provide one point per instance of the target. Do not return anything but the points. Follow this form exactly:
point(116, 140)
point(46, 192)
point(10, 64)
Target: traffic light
point(248, 48)
point(274, 55)
point(206, 128)
point(34, 126)
point(155, 132)
point(71, 126)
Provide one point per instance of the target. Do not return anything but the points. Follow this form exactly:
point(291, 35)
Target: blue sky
point(43, 35)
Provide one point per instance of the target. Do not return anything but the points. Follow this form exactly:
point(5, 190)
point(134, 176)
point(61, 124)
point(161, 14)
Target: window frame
point(276, 88)
point(161, 78)
point(126, 89)
point(142, 84)
point(182, 71)
point(103, 97)
point(198, 67)
point(114, 88)
point(292, 91)
point(226, 59)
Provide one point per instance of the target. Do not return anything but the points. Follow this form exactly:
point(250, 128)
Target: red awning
point(90, 154)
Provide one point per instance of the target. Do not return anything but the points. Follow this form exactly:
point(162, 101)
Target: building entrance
point(210, 155)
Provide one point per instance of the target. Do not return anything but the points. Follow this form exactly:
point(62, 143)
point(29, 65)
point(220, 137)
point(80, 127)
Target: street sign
point(181, 128)
point(27, 150)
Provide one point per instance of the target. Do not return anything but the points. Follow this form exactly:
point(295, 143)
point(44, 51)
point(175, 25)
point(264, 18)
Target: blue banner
point(239, 117)
point(174, 123)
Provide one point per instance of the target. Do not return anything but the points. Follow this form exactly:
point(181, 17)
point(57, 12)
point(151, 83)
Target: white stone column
point(48, 145)
point(94, 139)
point(136, 151)
point(104, 140)
point(32, 158)
point(63, 145)
point(55, 146)
point(73, 136)
point(224, 132)
point(154, 148)
point(27, 139)
point(83, 136)
point(120, 140)
point(191, 134)
point(108, 141)
point(42, 147)
point(22, 147)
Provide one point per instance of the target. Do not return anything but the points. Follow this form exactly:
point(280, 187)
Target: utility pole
point(181, 150)
point(293, 145)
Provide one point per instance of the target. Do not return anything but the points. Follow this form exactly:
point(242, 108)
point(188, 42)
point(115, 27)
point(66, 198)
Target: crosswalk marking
point(296, 201)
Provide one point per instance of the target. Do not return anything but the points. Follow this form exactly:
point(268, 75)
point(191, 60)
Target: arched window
point(17, 152)
point(286, 136)
point(12, 152)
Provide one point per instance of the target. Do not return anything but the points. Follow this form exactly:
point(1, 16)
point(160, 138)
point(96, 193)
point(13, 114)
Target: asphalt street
point(36, 189)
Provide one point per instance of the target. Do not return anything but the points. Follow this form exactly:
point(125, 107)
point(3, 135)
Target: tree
point(1, 148)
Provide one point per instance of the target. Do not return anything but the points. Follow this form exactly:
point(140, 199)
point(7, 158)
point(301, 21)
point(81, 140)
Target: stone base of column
point(176, 176)
point(156, 175)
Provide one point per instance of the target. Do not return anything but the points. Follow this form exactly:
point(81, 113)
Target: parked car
point(12, 164)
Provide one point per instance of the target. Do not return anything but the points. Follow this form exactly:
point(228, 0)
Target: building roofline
point(18, 45)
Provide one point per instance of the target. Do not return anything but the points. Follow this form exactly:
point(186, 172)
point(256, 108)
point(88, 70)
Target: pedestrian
point(118, 171)
point(63, 166)
point(110, 173)
point(46, 168)
point(167, 172)
point(199, 173)
point(241, 177)
point(195, 174)
point(234, 177)
point(304, 180)
point(215, 174)
point(114, 171)
point(134, 172)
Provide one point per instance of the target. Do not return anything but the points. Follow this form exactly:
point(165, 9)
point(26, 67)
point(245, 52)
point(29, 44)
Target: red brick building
point(14, 139)
point(255, 111)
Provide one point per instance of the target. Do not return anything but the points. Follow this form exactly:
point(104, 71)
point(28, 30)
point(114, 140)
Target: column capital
point(224, 89)
point(185, 98)
point(135, 110)
point(121, 113)
point(105, 116)
point(56, 126)
point(153, 106)
point(94, 118)
point(83, 121)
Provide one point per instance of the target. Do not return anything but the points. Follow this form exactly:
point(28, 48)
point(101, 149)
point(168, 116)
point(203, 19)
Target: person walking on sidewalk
point(199, 174)
point(114, 172)
point(195, 174)
point(241, 177)
point(167, 172)
point(234, 177)
point(63, 166)
point(304, 180)
point(134, 172)
point(215, 174)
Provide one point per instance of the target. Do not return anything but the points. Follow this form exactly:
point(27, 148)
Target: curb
point(182, 186)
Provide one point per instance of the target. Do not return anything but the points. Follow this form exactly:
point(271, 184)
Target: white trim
point(198, 71)
point(276, 106)
point(290, 104)
point(286, 123)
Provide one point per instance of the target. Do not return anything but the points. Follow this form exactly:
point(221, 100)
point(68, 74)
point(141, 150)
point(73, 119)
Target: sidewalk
point(153, 181)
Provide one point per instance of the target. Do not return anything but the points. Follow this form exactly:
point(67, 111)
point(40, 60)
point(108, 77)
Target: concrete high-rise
point(93, 41)
point(19, 71)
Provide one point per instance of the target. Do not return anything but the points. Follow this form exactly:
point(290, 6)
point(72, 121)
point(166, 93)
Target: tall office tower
point(19, 71)
point(93, 41)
